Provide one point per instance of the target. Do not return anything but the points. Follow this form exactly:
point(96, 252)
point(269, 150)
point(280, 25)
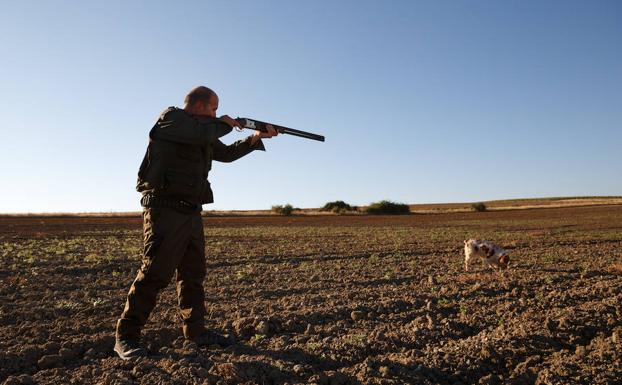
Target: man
point(173, 181)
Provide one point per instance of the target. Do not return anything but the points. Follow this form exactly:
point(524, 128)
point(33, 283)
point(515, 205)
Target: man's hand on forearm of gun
point(261, 134)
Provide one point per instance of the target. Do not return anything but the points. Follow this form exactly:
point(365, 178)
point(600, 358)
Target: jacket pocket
point(181, 183)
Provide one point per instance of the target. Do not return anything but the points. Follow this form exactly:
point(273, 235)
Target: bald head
point(202, 101)
point(200, 93)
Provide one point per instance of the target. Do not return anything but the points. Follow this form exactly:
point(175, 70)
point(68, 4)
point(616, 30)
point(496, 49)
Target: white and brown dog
point(492, 255)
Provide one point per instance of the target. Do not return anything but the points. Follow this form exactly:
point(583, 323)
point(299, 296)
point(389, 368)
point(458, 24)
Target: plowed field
point(326, 300)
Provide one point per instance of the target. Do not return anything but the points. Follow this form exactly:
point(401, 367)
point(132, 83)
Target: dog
point(492, 255)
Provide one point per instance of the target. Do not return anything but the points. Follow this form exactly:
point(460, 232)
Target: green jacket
point(180, 153)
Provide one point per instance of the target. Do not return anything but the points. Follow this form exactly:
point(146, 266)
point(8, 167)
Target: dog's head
point(472, 244)
point(504, 260)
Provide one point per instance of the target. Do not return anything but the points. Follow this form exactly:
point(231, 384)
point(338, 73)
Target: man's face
point(209, 108)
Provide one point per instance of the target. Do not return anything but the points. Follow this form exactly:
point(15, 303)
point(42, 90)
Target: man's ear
point(194, 108)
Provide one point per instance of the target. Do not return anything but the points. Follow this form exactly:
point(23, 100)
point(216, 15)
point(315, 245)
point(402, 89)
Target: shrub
point(338, 207)
point(283, 210)
point(387, 207)
point(479, 206)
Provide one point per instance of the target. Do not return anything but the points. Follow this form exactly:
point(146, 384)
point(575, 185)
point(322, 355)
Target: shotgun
point(261, 126)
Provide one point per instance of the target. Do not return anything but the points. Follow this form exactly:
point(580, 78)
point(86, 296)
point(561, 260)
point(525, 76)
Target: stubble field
point(326, 300)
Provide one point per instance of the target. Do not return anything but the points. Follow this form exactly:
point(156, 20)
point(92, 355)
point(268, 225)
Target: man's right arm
point(175, 125)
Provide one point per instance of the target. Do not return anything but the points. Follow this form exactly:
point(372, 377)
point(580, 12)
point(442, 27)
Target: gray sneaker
point(128, 349)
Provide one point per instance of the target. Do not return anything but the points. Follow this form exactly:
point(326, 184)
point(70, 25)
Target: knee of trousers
point(152, 278)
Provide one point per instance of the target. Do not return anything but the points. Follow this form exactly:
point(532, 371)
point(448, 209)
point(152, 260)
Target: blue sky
point(420, 101)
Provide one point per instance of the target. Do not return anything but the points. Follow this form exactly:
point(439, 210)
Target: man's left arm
point(234, 151)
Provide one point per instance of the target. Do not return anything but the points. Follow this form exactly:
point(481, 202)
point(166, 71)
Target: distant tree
point(338, 207)
point(387, 207)
point(283, 209)
point(479, 207)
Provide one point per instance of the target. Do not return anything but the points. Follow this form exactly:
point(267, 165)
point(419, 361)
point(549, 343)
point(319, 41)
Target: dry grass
point(424, 208)
point(516, 204)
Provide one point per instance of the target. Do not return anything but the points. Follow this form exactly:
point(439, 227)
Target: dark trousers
point(173, 243)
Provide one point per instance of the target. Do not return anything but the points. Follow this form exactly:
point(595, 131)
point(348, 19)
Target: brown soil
point(326, 300)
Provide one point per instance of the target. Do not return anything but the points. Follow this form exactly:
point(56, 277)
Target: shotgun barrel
point(261, 126)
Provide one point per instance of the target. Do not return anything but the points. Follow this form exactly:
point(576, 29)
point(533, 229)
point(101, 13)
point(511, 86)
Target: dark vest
point(177, 162)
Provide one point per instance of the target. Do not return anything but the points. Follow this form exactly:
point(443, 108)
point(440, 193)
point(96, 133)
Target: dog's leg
point(467, 258)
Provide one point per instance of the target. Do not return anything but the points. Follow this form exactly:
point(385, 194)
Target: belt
point(169, 202)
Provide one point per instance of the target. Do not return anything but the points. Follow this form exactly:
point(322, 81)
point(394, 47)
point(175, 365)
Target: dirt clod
point(49, 361)
point(490, 379)
point(26, 379)
point(262, 328)
point(384, 371)
point(299, 369)
point(357, 315)
point(66, 354)
point(336, 378)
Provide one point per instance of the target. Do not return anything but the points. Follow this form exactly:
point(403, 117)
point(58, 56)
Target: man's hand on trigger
point(230, 121)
